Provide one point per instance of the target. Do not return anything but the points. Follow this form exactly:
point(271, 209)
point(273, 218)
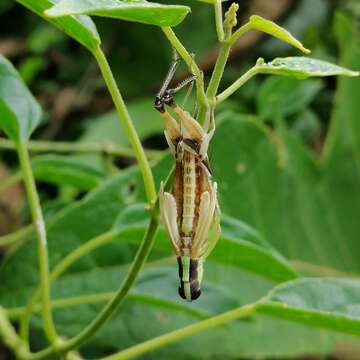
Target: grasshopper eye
point(158, 104)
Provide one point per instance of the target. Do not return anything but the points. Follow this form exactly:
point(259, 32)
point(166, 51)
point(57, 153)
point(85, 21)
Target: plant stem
point(16, 236)
point(15, 313)
point(237, 84)
point(82, 250)
point(215, 78)
point(59, 269)
point(116, 301)
point(38, 221)
point(169, 338)
point(218, 72)
point(11, 339)
point(190, 62)
point(107, 147)
point(239, 33)
point(219, 20)
point(128, 125)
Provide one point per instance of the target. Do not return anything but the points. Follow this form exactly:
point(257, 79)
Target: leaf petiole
point(39, 224)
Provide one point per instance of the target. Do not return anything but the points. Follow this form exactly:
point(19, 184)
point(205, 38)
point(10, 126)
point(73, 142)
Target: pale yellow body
point(189, 193)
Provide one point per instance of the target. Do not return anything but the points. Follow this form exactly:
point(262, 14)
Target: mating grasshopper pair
point(190, 211)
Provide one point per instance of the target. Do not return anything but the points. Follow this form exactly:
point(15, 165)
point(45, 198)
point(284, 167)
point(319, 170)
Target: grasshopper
point(190, 212)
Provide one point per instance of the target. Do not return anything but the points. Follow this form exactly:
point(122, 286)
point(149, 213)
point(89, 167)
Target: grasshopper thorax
point(189, 288)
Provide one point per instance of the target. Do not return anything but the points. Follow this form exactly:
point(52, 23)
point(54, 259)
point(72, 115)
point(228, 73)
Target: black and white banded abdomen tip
point(189, 288)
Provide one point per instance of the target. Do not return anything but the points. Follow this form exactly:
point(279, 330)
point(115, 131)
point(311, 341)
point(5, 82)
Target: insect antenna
point(169, 76)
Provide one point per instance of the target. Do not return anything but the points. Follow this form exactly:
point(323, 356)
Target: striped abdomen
point(189, 193)
point(189, 273)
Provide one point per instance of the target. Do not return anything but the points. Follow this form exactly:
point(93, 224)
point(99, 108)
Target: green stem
point(11, 339)
point(128, 125)
point(79, 252)
point(16, 312)
point(219, 20)
point(215, 78)
point(218, 71)
point(59, 269)
point(107, 147)
point(237, 84)
point(190, 62)
point(38, 221)
point(177, 335)
point(17, 236)
point(116, 301)
point(239, 33)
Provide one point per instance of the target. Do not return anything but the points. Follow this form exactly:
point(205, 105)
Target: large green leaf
point(20, 113)
point(155, 300)
point(253, 253)
point(329, 303)
point(303, 67)
point(87, 285)
point(283, 96)
point(139, 10)
point(81, 28)
point(306, 209)
point(240, 246)
point(80, 222)
point(107, 128)
point(61, 170)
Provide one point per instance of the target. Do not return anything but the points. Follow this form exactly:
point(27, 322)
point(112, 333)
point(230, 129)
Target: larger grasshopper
point(190, 212)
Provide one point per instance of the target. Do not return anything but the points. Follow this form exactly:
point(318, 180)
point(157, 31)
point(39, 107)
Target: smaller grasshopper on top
point(190, 212)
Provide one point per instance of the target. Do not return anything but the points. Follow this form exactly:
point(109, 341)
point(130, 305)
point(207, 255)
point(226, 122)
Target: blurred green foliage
point(285, 155)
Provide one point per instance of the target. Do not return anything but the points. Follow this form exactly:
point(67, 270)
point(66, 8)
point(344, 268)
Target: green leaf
point(129, 10)
point(253, 254)
point(269, 27)
point(304, 208)
point(81, 28)
point(107, 128)
point(307, 125)
point(20, 113)
point(303, 67)
point(327, 303)
point(285, 96)
point(81, 221)
point(61, 170)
